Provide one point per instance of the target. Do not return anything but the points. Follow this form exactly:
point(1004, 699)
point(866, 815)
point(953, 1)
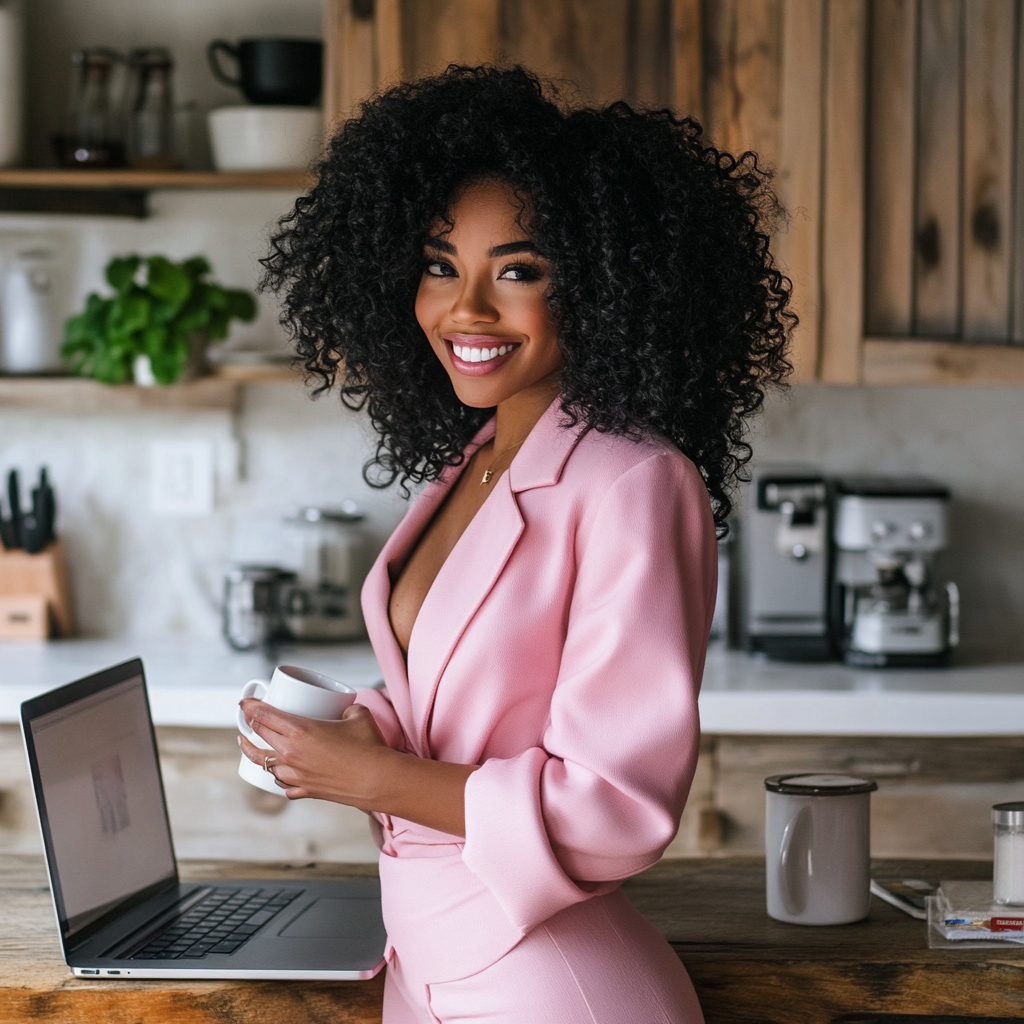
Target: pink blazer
point(561, 648)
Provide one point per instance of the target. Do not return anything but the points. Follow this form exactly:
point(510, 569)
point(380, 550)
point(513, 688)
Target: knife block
point(35, 600)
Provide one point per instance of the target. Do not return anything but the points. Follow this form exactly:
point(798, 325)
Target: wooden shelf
point(913, 361)
point(75, 395)
point(147, 180)
point(124, 193)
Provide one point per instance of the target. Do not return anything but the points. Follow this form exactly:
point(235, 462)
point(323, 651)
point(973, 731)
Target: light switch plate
point(181, 478)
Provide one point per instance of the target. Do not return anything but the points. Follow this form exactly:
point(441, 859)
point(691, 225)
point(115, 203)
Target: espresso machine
point(787, 564)
point(886, 608)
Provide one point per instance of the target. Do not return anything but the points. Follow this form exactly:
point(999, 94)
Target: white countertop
point(753, 696)
point(191, 681)
point(196, 682)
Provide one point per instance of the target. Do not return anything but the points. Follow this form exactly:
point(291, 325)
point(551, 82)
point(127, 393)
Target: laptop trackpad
point(328, 918)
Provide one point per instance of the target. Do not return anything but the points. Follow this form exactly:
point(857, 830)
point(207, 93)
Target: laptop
point(121, 909)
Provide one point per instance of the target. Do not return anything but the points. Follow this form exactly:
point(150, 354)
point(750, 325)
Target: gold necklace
point(489, 471)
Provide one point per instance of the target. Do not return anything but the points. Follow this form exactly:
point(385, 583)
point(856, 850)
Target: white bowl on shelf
point(265, 138)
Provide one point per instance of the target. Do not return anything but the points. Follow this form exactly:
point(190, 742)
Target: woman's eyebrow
point(506, 249)
point(441, 246)
point(511, 248)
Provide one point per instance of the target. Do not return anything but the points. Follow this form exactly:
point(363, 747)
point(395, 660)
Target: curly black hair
point(672, 316)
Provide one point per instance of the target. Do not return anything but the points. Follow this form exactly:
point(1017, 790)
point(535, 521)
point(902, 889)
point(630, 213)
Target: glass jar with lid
point(92, 136)
point(151, 114)
point(1008, 866)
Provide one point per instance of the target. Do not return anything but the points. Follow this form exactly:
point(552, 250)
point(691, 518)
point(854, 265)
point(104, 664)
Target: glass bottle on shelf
point(92, 136)
point(151, 142)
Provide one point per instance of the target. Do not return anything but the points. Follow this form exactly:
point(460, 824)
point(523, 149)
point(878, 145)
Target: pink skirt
point(597, 962)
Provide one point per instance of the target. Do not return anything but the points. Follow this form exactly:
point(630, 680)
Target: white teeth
point(472, 354)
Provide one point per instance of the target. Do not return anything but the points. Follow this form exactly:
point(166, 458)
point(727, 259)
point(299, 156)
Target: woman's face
point(482, 300)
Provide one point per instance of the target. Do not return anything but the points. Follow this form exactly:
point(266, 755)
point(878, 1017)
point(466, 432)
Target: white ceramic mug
point(299, 691)
point(818, 848)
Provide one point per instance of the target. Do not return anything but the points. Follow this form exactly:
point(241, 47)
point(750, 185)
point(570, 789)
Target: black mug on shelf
point(272, 72)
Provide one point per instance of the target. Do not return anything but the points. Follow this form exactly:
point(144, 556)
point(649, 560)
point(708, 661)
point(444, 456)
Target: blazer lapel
point(477, 560)
point(376, 594)
point(465, 579)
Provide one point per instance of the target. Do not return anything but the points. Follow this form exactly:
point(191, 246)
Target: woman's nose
point(473, 304)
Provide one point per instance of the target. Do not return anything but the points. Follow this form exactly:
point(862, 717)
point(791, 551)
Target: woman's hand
point(342, 761)
point(348, 762)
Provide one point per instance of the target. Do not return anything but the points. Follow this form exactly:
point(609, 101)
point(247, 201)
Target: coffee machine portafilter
point(886, 609)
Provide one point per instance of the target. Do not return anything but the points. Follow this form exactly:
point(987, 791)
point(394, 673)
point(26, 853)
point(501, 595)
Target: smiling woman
point(560, 319)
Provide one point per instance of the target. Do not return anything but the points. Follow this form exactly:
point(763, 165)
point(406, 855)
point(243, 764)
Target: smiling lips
point(475, 355)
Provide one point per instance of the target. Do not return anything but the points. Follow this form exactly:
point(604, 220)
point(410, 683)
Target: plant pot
point(142, 372)
point(197, 365)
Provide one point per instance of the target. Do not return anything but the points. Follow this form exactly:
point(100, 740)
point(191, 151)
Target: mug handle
point(793, 860)
point(249, 690)
point(211, 55)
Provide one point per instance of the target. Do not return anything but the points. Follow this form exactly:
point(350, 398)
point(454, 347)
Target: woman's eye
point(521, 272)
point(438, 268)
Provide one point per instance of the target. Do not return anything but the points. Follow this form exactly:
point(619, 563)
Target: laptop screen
point(100, 796)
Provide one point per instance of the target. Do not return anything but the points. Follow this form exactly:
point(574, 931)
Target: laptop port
point(89, 970)
point(113, 972)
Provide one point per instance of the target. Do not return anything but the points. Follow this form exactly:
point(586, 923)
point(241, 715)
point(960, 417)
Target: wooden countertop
point(747, 968)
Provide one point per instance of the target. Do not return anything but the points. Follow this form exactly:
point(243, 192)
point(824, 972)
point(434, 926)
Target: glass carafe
point(92, 136)
point(151, 114)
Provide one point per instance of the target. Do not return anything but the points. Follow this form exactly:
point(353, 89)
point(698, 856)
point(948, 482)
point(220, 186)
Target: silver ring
point(268, 764)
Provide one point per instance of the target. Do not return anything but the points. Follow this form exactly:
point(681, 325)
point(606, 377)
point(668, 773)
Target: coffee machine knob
point(919, 530)
point(798, 551)
point(881, 529)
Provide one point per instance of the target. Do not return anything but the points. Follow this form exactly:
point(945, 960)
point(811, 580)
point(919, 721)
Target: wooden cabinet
point(894, 127)
point(901, 148)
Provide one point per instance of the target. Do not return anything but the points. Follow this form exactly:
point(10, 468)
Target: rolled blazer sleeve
point(601, 798)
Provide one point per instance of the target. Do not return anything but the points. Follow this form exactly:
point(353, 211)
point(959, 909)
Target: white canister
point(12, 67)
point(1008, 865)
point(31, 327)
point(818, 848)
point(265, 138)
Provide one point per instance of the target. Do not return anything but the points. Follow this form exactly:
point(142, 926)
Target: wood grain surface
point(746, 967)
point(896, 361)
point(890, 213)
point(798, 246)
point(842, 277)
point(989, 53)
point(749, 969)
point(939, 126)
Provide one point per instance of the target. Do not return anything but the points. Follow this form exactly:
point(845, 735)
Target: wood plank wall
point(944, 105)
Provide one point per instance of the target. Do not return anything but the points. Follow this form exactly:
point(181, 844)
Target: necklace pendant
point(488, 473)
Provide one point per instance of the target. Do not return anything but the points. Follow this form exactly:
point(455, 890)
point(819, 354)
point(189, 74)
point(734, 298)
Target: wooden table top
point(747, 968)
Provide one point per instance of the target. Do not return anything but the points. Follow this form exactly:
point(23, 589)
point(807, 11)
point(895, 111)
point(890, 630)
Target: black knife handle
point(6, 534)
point(14, 497)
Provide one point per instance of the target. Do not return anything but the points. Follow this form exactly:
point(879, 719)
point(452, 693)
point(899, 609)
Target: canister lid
point(1008, 814)
point(820, 785)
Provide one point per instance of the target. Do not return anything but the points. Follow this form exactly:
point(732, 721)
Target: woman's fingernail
point(239, 740)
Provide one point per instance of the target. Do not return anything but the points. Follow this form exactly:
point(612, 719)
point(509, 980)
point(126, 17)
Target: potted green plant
point(156, 325)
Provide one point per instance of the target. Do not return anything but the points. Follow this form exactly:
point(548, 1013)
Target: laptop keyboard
point(219, 923)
